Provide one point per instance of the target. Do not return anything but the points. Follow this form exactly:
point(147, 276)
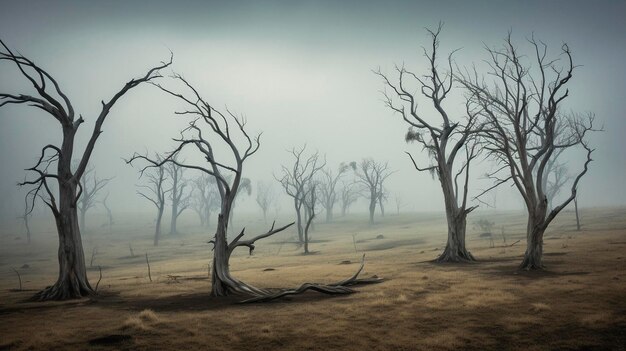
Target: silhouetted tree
point(178, 194)
point(72, 280)
point(109, 222)
point(90, 186)
point(155, 192)
point(371, 175)
point(444, 138)
point(206, 198)
point(328, 187)
point(265, 197)
point(523, 110)
point(211, 128)
point(350, 193)
point(295, 180)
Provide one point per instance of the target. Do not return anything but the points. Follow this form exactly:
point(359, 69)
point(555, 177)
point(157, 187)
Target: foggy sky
point(300, 72)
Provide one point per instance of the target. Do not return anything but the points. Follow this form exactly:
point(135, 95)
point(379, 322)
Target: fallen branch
point(338, 288)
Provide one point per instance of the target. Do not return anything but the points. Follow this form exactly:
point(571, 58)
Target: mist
point(300, 73)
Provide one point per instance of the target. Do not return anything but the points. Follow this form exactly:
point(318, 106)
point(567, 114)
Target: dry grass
point(577, 304)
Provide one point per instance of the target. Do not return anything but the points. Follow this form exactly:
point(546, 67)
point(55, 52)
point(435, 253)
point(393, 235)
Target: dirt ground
point(578, 303)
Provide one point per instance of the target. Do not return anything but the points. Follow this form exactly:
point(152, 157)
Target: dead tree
point(265, 197)
point(523, 108)
point(309, 200)
point(446, 139)
point(383, 196)
point(180, 198)
point(109, 223)
point(328, 187)
point(90, 185)
point(206, 198)
point(350, 193)
point(155, 192)
point(399, 203)
point(212, 129)
point(576, 211)
point(295, 180)
point(47, 96)
point(371, 175)
point(25, 217)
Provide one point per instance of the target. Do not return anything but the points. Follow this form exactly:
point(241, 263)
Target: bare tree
point(309, 200)
point(25, 217)
point(90, 185)
point(227, 131)
point(371, 175)
point(522, 107)
point(179, 196)
point(399, 203)
point(265, 197)
point(72, 280)
point(109, 223)
point(383, 196)
point(296, 179)
point(328, 187)
point(206, 198)
point(155, 192)
point(445, 139)
point(350, 193)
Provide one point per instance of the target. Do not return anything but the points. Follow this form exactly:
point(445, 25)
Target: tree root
point(458, 256)
point(338, 288)
point(62, 291)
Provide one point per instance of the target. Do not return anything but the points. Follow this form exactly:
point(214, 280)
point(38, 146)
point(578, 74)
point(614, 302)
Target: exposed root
point(63, 291)
point(338, 288)
point(455, 256)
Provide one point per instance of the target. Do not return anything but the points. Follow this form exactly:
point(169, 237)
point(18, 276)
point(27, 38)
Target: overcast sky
point(299, 71)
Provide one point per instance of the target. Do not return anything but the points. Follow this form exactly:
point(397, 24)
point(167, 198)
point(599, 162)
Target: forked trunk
point(72, 281)
point(173, 230)
point(299, 222)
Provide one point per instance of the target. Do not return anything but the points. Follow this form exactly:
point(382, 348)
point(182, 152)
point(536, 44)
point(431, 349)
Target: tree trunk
point(173, 230)
point(157, 230)
point(577, 217)
point(27, 228)
point(72, 281)
point(533, 257)
point(455, 250)
point(329, 212)
point(382, 208)
point(299, 222)
point(372, 209)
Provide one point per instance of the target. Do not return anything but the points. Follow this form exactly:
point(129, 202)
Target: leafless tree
point(212, 128)
point(155, 192)
point(444, 138)
point(399, 203)
point(179, 196)
point(25, 217)
point(523, 109)
point(328, 187)
point(206, 198)
point(72, 280)
point(309, 200)
point(109, 222)
point(350, 193)
point(265, 197)
point(90, 185)
point(296, 179)
point(383, 196)
point(371, 175)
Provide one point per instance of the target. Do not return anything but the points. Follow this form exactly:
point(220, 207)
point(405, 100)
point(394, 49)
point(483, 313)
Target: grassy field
point(579, 303)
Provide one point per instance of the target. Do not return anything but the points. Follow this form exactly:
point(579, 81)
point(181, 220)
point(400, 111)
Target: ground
point(578, 303)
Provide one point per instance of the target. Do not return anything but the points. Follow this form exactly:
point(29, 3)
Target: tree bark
point(577, 217)
point(157, 229)
point(372, 208)
point(533, 257)
point(72, 281)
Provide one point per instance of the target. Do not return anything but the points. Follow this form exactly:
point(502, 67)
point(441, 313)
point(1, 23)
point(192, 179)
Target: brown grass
point(578, 303)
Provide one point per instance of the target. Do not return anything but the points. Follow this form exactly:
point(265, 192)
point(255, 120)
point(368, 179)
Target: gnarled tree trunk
point(533, 257)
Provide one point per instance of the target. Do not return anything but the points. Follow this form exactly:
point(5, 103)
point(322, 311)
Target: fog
point(301, 74)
